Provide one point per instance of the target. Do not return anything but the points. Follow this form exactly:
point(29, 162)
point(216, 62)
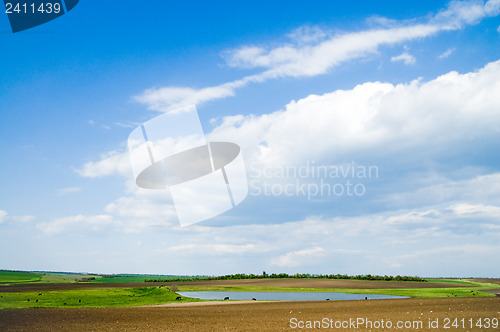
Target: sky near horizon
point(370, 133)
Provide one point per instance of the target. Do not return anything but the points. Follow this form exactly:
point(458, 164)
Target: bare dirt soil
point(258, 316)
point(490, 280)
point(299, 283)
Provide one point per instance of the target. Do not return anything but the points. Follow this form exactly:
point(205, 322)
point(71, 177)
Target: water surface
point(285, 296)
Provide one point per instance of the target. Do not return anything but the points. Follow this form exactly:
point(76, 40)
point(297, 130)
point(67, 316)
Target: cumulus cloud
point(113, 162)
point(143, 209)
point(407, 58)
point(313, 51)
point(374, 120)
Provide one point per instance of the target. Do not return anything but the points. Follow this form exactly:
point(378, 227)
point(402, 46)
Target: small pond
point(285, 296)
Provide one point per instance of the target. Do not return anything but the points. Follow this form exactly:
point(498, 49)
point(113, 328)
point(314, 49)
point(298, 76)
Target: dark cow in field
point(254, 299)
point(178, 298)
point(226, 298)
point(327, 300)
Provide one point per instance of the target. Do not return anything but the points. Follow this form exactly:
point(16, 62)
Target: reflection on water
point(285, 296)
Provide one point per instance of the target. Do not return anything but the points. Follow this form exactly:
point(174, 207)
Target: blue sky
point(409, 88)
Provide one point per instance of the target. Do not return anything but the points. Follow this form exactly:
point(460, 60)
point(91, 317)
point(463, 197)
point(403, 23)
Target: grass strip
point(116, 297)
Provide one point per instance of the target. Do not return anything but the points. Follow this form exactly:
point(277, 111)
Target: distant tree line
point(264, 275)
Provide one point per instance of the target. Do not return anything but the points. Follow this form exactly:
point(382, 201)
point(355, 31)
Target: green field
point(117, 297)
point(19, 277)
point(10, 277)
point(126, 297)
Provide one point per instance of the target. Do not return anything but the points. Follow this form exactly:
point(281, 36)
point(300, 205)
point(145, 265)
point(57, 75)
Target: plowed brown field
point(256, 316)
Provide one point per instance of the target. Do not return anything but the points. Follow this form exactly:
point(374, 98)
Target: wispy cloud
point(3, 216)
point(22, 219)
point(79, 222)
point(446, 53)
point(214, 248)
point(407, 58)
point(461, 13)
point(313, 51)
point(70, 190)
point(297, 258)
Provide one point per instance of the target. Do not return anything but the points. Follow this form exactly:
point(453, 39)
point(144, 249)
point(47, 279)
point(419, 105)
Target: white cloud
point(372, 243)
point(76, 223)
point(475, 210)
point(214, 248)
point(137, 212)
point(373, 120)
point(446, 53)
point(113, 162)
point(308, 34)
point(69, 190)
point(299, 257)
point(142, 210)
point(22, 219)
point(475, 250)
point(3, 216)
point(169, 98)
point(300, 61)
point(407, 58)
point(460, 13)
point(312, 53)
point(476, 191)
